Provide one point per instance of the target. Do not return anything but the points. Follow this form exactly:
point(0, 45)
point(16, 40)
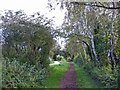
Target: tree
point(26, 38)
point(98, 21)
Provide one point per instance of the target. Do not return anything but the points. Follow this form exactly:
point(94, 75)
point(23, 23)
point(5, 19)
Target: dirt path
point(69, 78)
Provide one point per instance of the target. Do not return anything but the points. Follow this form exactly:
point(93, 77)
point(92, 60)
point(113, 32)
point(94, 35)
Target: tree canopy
point(26, 38)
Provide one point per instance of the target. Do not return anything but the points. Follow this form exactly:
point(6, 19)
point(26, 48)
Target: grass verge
point(83, 80)
point(57, 71)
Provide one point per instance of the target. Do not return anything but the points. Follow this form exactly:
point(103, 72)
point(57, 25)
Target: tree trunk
point(115, 58)
point(91, 37)
point(84, 53)
point(119, 47)
point(82, 58)
point(114, 43)
point(89, 50)
point(93, 48)
point(119, 70)
point(72, 57)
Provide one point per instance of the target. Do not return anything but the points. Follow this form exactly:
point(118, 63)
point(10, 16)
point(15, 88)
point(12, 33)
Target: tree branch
point(96, 5)
point(102, 6)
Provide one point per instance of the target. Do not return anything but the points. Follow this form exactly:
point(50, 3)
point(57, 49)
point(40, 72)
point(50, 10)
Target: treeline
point(93, 39)
point(26, 43)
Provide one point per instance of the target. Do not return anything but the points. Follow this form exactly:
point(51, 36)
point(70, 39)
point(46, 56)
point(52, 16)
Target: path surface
point(69, 78)
point(55, 63)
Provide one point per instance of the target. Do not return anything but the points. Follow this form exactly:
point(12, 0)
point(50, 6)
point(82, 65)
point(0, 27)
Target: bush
point(28, 39)
point(23, 75)
point(59, 58)
point(78, 61)
point(102, 74)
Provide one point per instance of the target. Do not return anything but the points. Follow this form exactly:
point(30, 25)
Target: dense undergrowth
point(22, 75)
point(102, 75)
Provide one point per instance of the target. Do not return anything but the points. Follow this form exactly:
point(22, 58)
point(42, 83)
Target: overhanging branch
point(96, 5)
point(103, 6)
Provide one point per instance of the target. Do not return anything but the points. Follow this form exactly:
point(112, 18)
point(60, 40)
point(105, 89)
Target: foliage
point(51, 62)
point(84, 80)
point(78, 60)
point(60, 58)
point(28, 39)
point(62, 53)
point(91, 30)
point(101, 74)
point(16, 75)
point(92, 34)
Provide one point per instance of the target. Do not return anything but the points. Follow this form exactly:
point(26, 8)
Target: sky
point(32, 6)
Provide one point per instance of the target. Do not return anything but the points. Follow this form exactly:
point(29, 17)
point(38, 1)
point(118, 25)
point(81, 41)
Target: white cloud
point(23, 4)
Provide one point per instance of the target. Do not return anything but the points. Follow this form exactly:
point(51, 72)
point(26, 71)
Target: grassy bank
point(83, 80)
point(57, 71)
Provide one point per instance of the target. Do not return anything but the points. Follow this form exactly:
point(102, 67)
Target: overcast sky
point(32, 6)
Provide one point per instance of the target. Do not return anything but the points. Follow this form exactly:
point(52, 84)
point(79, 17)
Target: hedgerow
point(102, 74)
point(22, 75)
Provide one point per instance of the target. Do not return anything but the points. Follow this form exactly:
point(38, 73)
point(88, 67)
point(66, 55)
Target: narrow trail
point(69, 78)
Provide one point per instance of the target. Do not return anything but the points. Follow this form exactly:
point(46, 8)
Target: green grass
point(57, 72)
point(83, 80)
point(51, 62)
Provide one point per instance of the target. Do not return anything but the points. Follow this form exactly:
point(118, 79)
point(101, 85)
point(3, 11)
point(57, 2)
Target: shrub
point(102, 74)
point(59, 58)
point(22, 75)
point(28, 39)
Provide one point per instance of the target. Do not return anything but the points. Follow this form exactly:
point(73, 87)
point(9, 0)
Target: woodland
point(92, 35)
